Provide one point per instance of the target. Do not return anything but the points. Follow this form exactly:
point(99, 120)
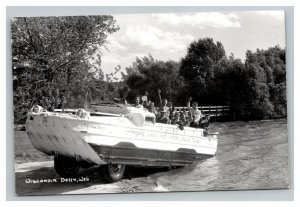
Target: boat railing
point(74, 111)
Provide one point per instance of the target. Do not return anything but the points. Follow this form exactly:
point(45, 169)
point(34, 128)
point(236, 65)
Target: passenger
point(137, 102)
point(171, 107)
point(163, 103)
point(177, 119)
point(163, 117)
point(172, 116)
point(163, 110)
point(204, 121)
point(196, 114)
point(152, 108)
point(83, 114)
point(145, 102)
point(37, 109)
point(79, 113)
point(149, 105)
point(184, 120)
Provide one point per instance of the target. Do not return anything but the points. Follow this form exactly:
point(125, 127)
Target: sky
point(166, 36)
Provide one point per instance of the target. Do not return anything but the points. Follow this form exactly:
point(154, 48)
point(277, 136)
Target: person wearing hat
point(163, 117)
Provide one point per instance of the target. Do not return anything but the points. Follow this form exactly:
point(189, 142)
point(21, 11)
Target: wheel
point(66, 167)
point(85, 164)
point(113, 172)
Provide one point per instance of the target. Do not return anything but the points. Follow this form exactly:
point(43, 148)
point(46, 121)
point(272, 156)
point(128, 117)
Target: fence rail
point(211, 110)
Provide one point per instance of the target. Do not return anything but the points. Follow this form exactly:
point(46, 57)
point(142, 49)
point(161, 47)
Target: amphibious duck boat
point(113, 140)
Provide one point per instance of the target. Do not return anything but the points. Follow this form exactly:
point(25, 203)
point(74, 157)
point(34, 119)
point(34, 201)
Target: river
point(250, 155)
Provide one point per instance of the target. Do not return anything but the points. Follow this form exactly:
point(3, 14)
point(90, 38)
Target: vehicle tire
point(113, 172)
point(85, 164)
point(66, 167)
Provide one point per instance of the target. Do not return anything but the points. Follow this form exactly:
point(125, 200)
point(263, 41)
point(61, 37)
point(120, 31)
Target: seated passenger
point(196, 114)
point(172, 116)
point(37, 109)
point(144, 98)
point(184, 120)
point(137, 102)
point(163, 117)
point(171, 107)
point(83, 114)
point(79, 113)
point(176, 119)
point(163, 104)
point(152, 108)
point(204, 121)
point(150, 105)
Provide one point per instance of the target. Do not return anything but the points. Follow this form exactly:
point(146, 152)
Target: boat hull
point(128, 154)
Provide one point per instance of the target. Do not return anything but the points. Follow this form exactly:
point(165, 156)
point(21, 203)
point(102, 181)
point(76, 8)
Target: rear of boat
point(51, 134)
point(62, 135)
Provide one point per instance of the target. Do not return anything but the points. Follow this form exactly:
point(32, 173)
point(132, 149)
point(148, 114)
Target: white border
point(148, 3)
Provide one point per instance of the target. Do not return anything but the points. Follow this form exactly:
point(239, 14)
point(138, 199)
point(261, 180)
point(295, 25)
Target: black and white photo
point(159, 102)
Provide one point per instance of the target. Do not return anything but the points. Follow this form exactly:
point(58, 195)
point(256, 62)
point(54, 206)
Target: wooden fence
point(214, 111)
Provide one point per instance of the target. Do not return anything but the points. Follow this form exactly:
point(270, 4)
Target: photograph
point(150, 103)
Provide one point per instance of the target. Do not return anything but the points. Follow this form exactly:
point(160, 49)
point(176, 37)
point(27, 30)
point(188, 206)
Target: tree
point(253, 90)
point(266, 80)
point(147, 74)
point(198, 68)
point(275, 60)
point(232, 87)
point(55, 57)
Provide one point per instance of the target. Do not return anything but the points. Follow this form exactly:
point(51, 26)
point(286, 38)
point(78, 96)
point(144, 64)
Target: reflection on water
point(250, 155)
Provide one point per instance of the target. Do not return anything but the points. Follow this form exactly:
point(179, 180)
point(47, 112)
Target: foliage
point(232, 87)
point(255, 89)
point(56, 63)
point(147, 74)
point(199, 68)
point(267, 79)
point(56, 60)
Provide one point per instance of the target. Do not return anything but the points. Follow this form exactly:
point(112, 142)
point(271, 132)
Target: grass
point(24, 151)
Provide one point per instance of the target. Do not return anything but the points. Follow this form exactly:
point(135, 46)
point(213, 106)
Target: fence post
point(223, 113)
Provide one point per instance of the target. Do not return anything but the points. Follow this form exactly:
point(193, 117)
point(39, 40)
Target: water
point(250, 155)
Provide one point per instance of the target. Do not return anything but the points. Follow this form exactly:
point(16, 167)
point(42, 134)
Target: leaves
point(56, 53)
point(147, 74)
point(198, 67)
point(253, 90)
